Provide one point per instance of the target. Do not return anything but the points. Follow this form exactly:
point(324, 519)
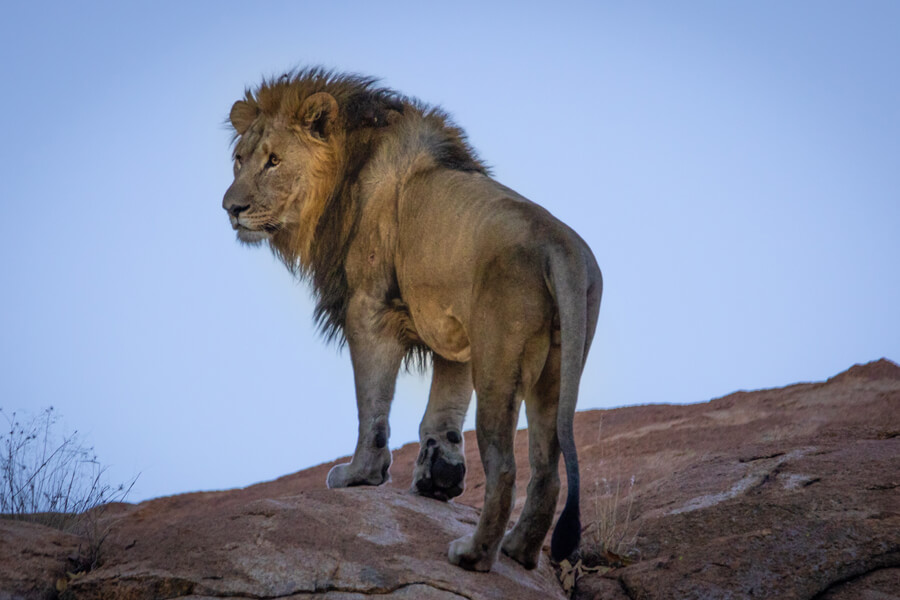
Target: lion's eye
point(273, 161)
point(237, 161)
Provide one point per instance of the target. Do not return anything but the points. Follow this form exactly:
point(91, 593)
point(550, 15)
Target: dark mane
point(366, 111)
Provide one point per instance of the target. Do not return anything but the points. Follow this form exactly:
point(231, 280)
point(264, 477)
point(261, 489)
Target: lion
point(415, 253)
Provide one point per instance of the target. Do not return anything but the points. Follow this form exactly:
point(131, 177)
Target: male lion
point(414, 251)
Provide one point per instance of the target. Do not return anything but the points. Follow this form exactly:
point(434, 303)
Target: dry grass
point(611, 533)
point(55, 480)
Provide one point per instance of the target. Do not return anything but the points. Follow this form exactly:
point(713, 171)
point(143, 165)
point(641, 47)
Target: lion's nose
point(235, 202)
point(235, 209)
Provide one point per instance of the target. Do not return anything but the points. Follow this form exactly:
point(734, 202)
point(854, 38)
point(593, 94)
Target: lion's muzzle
point(236, 201)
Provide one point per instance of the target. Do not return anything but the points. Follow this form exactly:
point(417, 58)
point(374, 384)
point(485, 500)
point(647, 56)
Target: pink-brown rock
point(32, 558)
point(783, 493)
point(350, 543)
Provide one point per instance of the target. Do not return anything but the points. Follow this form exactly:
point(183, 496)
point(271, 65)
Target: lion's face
point(279, 164)
point(271, 170)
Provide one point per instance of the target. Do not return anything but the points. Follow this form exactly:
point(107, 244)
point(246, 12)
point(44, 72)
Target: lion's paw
point(347, 475)
point(516, 547)
point(465, 553)
point(440, 470)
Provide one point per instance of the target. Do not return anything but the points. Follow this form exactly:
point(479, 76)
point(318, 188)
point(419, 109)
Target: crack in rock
point(888, 560)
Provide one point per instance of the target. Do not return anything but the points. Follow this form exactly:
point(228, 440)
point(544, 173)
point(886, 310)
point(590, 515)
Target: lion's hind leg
point(508, 355)
point(524, 541)
point(496, 412)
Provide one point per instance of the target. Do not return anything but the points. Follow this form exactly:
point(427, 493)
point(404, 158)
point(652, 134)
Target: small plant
point(609, 532)
point(54, 480)
point(611, 535)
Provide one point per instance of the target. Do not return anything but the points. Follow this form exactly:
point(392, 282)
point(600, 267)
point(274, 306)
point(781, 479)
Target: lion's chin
point(252, 237)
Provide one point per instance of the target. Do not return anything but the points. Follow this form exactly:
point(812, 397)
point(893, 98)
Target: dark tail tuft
point(567, 533)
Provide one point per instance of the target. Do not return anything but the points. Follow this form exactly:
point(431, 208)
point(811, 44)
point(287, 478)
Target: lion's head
point(284, 161)
point(293, 138)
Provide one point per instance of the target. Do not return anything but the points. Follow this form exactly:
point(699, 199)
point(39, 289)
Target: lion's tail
point(569, 284)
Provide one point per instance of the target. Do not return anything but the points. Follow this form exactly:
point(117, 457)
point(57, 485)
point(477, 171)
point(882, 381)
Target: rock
point(349, 543)
point(32, 559)
point(783, 493)
point(882, 584)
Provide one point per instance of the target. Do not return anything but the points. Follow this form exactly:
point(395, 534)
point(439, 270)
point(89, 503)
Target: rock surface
point(320, 543)
point(783, 493)
point(32, 559)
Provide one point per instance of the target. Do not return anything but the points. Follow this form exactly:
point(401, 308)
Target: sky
point(735, 168)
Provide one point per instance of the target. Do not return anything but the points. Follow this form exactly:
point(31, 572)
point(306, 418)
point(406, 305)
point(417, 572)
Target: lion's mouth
point(253, 236)
point(264, 228)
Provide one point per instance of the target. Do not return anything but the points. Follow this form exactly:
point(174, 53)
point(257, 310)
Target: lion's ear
point(319, 114)
point(242, 116)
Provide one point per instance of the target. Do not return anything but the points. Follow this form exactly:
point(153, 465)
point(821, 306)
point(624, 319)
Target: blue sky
point(734, 166)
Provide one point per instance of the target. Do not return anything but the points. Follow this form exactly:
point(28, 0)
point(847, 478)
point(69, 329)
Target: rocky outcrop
point(350, 543)
point(783, 493)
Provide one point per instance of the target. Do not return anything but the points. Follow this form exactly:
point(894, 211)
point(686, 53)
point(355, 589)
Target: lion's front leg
point(440, 469)
point(376, 360)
